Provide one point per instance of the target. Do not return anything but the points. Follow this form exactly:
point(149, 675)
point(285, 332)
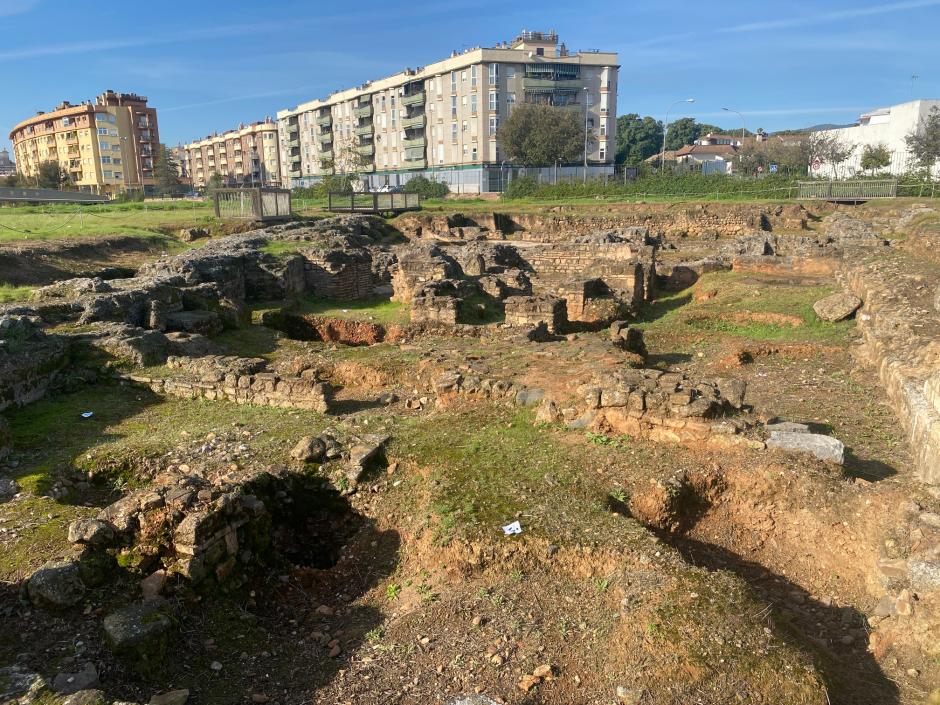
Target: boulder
point(91, 532)
point(823, 447)
point(309, 449)
point(787, 427)
point(837, 307)
point(192, 234)
point(139, 633)
point(56, 585)
point(85, 679)
point(8, 488)
point(530, 396)
point(628, 338)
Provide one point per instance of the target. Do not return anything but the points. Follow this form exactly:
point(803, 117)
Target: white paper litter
point(514, 528)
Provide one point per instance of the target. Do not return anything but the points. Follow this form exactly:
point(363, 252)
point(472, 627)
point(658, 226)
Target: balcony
point(294, 143)
point(293, 135)
point(551, 84)
point(413, 99)
point(325, 138)
point(364, 130)
point(325, 120)
point(413, 155)
point(363, 111)
point(414, 142)
point(366, 149)
point(326, 154)
point(416, 163)
point(416, 121)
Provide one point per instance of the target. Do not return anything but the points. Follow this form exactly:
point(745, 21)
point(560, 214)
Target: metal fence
point(252, 203)
point(373, 202)
point(848, 190)
point(49, 195)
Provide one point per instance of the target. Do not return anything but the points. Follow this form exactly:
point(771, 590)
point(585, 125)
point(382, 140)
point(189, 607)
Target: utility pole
point(743, 127)
point(662, 155)
point(586, 93)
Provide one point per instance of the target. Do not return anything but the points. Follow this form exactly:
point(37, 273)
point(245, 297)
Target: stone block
point(824, 448)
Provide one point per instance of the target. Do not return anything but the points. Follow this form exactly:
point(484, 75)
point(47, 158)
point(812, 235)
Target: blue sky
point(207, 65)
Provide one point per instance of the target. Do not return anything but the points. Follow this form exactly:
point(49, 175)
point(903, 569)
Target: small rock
point(91, 532)
point(259, 698)
point(527, 683)
point(824, 448)
point(56, 585)
point(153, 584)
point(173, 697)
point(66, 683)
point(86, 697)
point(215, 666)
point(837, 307)
point(629, 696)
point(309, 449)
point(139, 633)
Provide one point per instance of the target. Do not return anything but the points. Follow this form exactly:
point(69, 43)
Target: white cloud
point(17, 7)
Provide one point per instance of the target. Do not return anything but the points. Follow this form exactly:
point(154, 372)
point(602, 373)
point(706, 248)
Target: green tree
point(924, 144)
point(875, 156)
point(51, 175)
point(14, 181)
point(166, 173)
point(428, 188)
point(215, 182)
point(830, 149)
point(637, 138)
point(540, 135)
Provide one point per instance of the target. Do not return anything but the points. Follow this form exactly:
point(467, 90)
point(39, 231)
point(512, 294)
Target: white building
point(885, 126)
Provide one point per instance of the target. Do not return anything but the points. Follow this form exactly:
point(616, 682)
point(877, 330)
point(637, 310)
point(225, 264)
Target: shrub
point(522, 187)
point(427, 188)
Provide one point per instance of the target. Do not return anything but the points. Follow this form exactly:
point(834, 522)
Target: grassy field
point(9, 294)
point(54, 222)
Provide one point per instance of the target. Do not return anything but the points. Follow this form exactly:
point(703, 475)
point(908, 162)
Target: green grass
point(64, 221)
point(9, 293)
point(43, 537)
point(746, 293)
point(373, 310)
point(130, 424)
point(492, 466)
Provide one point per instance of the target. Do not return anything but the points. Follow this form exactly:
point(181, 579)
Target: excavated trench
point(298, 326)
point(694, 515)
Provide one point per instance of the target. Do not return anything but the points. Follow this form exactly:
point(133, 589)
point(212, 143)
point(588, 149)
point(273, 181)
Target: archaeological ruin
point(635, 453)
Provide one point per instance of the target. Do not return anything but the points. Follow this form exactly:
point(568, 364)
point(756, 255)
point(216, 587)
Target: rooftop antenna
point(914, 77)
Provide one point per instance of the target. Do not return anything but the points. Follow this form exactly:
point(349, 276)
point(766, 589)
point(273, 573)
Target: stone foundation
point(531, 311)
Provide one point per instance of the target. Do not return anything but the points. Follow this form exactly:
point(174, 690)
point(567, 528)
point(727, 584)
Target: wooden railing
point(373, 202)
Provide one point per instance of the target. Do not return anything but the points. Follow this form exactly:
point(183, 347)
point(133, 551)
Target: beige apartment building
point(442, 120)
point(105, 147)
point(246, 156)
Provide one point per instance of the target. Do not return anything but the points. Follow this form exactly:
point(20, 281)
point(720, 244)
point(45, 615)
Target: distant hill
point(814, 128)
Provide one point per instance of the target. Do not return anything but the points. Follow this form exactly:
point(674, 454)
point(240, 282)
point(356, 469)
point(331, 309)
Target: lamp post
point(662, 155)
point(743, 126)
point(586, 93)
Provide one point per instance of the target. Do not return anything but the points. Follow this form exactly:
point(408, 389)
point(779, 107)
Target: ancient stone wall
point(531, 311)
point(238, 380)
point(30, 361)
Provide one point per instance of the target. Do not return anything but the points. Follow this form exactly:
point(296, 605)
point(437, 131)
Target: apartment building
point(7, 167)
point(246, 156)
point(181, 157)
point(105, 147)
point(442, 120)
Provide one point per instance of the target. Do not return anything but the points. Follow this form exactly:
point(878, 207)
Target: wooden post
point(215, 201)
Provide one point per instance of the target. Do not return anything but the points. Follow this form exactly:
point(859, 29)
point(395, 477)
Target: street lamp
point(586, 93)
point(743, 127)
point(662, 155)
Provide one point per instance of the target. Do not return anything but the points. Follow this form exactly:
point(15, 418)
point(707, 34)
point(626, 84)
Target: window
point(118, 175)
point(473, 103)
point(66, 122)
point(464, 126)
point(382, 103)
point(494, 100)
point(473, 154)
point(453, 131)
point(510, 99)
point(510, 72)
point(603, 153)
point(494, 74)
point(494, 125)
point(603, 127)
point(453, 106)
point(463, 76)
point(116, 161)
point(394, 116)
point(103, 131)
point(473, 76)
point(453, 81)
point(108, 174)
